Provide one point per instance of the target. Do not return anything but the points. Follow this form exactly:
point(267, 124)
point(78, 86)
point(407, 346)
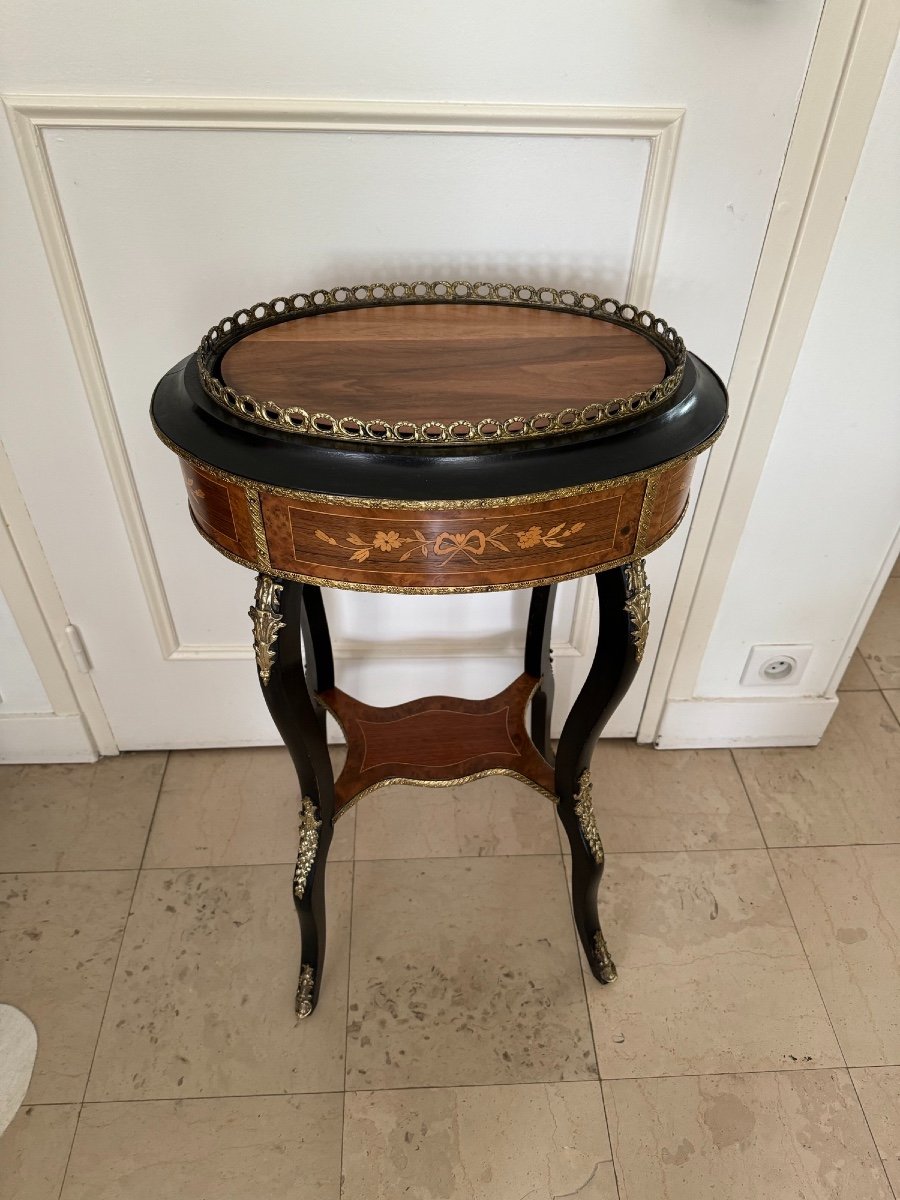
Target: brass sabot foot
point(304, 991)
point(606, 968)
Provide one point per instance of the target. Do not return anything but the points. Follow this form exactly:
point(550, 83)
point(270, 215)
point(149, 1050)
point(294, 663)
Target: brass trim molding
point(245, 321)
point(309, 844)
point(267, 622)
point(259, 529)
point(579, 489)
point(637, 604)
point(646, 513)
point(402, 781)
point(584, 811)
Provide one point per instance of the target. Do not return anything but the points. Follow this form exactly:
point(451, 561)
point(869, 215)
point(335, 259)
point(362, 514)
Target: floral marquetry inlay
point(441, 546)
point(447, 545)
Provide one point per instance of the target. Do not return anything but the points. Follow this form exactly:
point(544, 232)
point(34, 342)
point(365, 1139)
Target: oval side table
point(431, 438)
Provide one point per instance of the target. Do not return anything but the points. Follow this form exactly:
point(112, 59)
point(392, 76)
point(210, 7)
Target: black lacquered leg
point(624, 614)
point(539, 662)
point(317, 647)
point(279, 622)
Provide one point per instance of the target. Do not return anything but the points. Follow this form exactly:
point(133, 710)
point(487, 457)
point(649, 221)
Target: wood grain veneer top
point(442, 362)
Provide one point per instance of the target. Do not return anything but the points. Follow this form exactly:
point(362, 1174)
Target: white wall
point(21, 690)
point(826, 506)
point(131, 203)
point(823, 529)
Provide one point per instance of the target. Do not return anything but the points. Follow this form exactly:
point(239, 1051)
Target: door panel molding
point(31, 115)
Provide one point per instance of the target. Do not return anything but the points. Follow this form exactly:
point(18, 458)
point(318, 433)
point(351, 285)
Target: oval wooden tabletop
point(442, 362)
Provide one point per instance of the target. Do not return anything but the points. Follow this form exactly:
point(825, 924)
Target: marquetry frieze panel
point(475, 545)
point(220, 510)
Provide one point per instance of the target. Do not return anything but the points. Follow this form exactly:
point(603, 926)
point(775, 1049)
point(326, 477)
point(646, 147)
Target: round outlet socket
point(776, 670)
point(773, 666)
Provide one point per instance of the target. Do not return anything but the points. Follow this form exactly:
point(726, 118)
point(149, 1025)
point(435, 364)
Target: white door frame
point(76, 730)
point(846, 70)
point(847, 67)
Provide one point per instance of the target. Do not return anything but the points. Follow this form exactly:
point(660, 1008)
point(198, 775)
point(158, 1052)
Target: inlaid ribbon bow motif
point(446, 545)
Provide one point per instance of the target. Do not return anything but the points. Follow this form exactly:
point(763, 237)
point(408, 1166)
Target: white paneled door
point(635, 156)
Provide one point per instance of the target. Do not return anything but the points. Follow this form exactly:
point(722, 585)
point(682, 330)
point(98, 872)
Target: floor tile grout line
point(792, 1069)
point(137, 879)
point(590, 1017)
point(440, 1087)
point(343, 1094)
point(347, 1014)
point(175, 1099)
point(578, 952)
point(746, 791)
point(411, 858)
point(112, 977)
point(865, 1115)
point(587, 1003)
point(809, 965)
point(790, 912)
point(815, 979)
point(212, 1099)
point(827, 1012)
point(724, 849)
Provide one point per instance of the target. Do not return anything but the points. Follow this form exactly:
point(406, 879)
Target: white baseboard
point(44, 738)
point(760, 721)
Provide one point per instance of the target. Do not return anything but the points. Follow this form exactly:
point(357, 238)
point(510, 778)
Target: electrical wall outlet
point(775, 666)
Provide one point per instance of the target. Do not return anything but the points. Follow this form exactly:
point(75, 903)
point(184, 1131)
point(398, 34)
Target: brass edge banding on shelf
point(231, 330)
point(259, 529)
point(396, 590)
point(580, 489)
point(402, 781)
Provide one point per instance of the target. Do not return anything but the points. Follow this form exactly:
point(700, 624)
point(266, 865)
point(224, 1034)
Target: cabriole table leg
point(280, 619)
point(539, 662)
point(624, 621)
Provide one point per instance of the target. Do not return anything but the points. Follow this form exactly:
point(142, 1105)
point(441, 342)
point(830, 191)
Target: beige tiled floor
point(750, 1048)
point(880, 644)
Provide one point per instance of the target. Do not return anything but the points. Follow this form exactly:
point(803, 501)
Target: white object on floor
point(18, 1050)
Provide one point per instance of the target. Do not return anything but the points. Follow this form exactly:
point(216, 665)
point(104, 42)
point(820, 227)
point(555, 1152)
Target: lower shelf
point(437, 741)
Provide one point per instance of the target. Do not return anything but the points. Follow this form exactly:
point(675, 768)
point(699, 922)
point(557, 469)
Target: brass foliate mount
point(309, 844)
point(295, 419)
point(584, 811)
point(637, 604)
point(267, 622)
